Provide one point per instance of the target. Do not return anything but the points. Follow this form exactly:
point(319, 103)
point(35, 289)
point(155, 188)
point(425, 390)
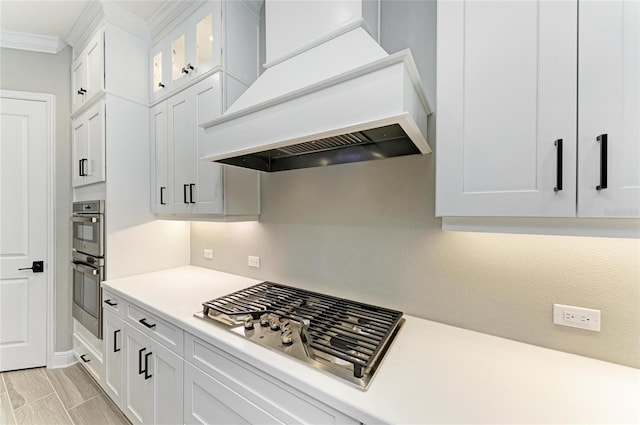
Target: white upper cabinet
point(514, 85)
point(506, 94)
point(193, 80)
point(609, 109)
point(88, 146)
point(190, 50)
point(182, 184)
point(87, 72)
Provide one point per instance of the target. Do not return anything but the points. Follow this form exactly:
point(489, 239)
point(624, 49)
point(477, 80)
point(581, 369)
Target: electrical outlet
point(208, 254)
point(576, 317)
point(254, 261)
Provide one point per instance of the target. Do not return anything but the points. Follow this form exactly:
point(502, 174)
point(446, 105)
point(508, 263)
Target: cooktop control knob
point(248, 322)
point(285, 325)
point(264, 320)
point(286, 337)
point(274, 322)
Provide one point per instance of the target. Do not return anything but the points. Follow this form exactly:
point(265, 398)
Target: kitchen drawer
point(89, 358)
point(112, 303)
point(162, 331)
point(273, 397)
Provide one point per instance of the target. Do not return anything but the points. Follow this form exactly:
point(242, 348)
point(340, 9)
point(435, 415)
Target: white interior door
point(24, 230)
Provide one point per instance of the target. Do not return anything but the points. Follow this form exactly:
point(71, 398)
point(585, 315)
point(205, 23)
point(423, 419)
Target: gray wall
point(367, 231)
point(45, 73)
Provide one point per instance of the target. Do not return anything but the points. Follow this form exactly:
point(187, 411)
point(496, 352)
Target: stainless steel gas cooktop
point(344, 338)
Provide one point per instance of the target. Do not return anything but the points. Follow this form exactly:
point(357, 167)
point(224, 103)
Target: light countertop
point(433, 373)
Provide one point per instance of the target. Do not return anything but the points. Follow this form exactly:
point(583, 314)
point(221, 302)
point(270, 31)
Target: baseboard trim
point(63, 359)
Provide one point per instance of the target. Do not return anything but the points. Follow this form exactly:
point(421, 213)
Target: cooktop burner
point(345, 338)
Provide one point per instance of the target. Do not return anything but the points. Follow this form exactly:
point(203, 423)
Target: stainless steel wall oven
point(88, 264)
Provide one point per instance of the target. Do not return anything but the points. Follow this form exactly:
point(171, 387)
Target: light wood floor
point(55, 396)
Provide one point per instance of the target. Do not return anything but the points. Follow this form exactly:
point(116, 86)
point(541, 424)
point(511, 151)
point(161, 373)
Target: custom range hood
point(330, 94)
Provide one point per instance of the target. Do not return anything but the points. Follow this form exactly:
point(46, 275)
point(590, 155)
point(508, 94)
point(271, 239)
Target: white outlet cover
point(576, 317)
point(254, 261)
point(208, 254)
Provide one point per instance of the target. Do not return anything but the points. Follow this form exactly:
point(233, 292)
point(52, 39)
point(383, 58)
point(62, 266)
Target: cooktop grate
point(351, 331)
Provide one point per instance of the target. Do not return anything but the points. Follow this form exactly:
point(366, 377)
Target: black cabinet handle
point(115, 341)
point(603, 161)
point(191, 186)
point(558, 145)
point(184, 193)
point(187, 69)
point(82, 171)
point(160, 84)
point(162, 189)
point(80, 168)
point(140, 370)
point(82, 91)
point(83, 359)
point(147, 324)
point(36, 267)
point(146, 365)
point(109, 302)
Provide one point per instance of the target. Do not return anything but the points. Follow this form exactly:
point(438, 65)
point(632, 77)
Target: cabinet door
point(206, 48)
point(609, 106)
point(95, 166)
point(183, 138)
point(78, 82)
point(208, 401)
point(167, 378)
point(138, 393)
point(159, 71)
point(79, 151)
point(95, 66)
point(506, 93)
point(113, 356)
point(161, 192)
point(208, 191)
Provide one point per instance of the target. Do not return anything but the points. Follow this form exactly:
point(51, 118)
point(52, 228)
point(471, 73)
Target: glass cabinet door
point(178, 56)
point(157, 72)
point(204, 40)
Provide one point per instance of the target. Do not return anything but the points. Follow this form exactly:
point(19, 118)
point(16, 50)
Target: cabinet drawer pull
point(115, 341)
point(140, 370)
point(161, 85)
point(162, 189)
point(184, 193)
point(603, 161)
point(146, 365)
point(82, 91)
point(83, 359)
point(82, 171)
point(558, 145)
point(147, 324)
point(191, 186)
point(111, 303)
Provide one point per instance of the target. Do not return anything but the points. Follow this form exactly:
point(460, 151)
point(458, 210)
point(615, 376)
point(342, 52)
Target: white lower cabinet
point(153, 377)
point(220, 389)
point(113, 353)
point(208, 401)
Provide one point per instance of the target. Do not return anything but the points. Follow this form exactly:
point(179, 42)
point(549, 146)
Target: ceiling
point(55, 18)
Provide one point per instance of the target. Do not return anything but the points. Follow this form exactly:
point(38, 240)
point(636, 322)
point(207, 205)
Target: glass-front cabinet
point(192, 49)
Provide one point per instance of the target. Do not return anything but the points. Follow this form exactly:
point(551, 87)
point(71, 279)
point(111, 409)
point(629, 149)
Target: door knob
point(37, 267)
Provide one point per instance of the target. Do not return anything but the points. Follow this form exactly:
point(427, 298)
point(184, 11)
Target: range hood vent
point(377, 143)
point(330, 95)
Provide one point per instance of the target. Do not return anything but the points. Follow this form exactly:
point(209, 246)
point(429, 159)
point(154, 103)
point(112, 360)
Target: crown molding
point(31, 42)
point(90, 18)
point(170, 14)
point(119, 16)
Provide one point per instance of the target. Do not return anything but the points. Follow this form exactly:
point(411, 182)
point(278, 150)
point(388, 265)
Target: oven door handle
point(84, 219)
point(84, 269)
